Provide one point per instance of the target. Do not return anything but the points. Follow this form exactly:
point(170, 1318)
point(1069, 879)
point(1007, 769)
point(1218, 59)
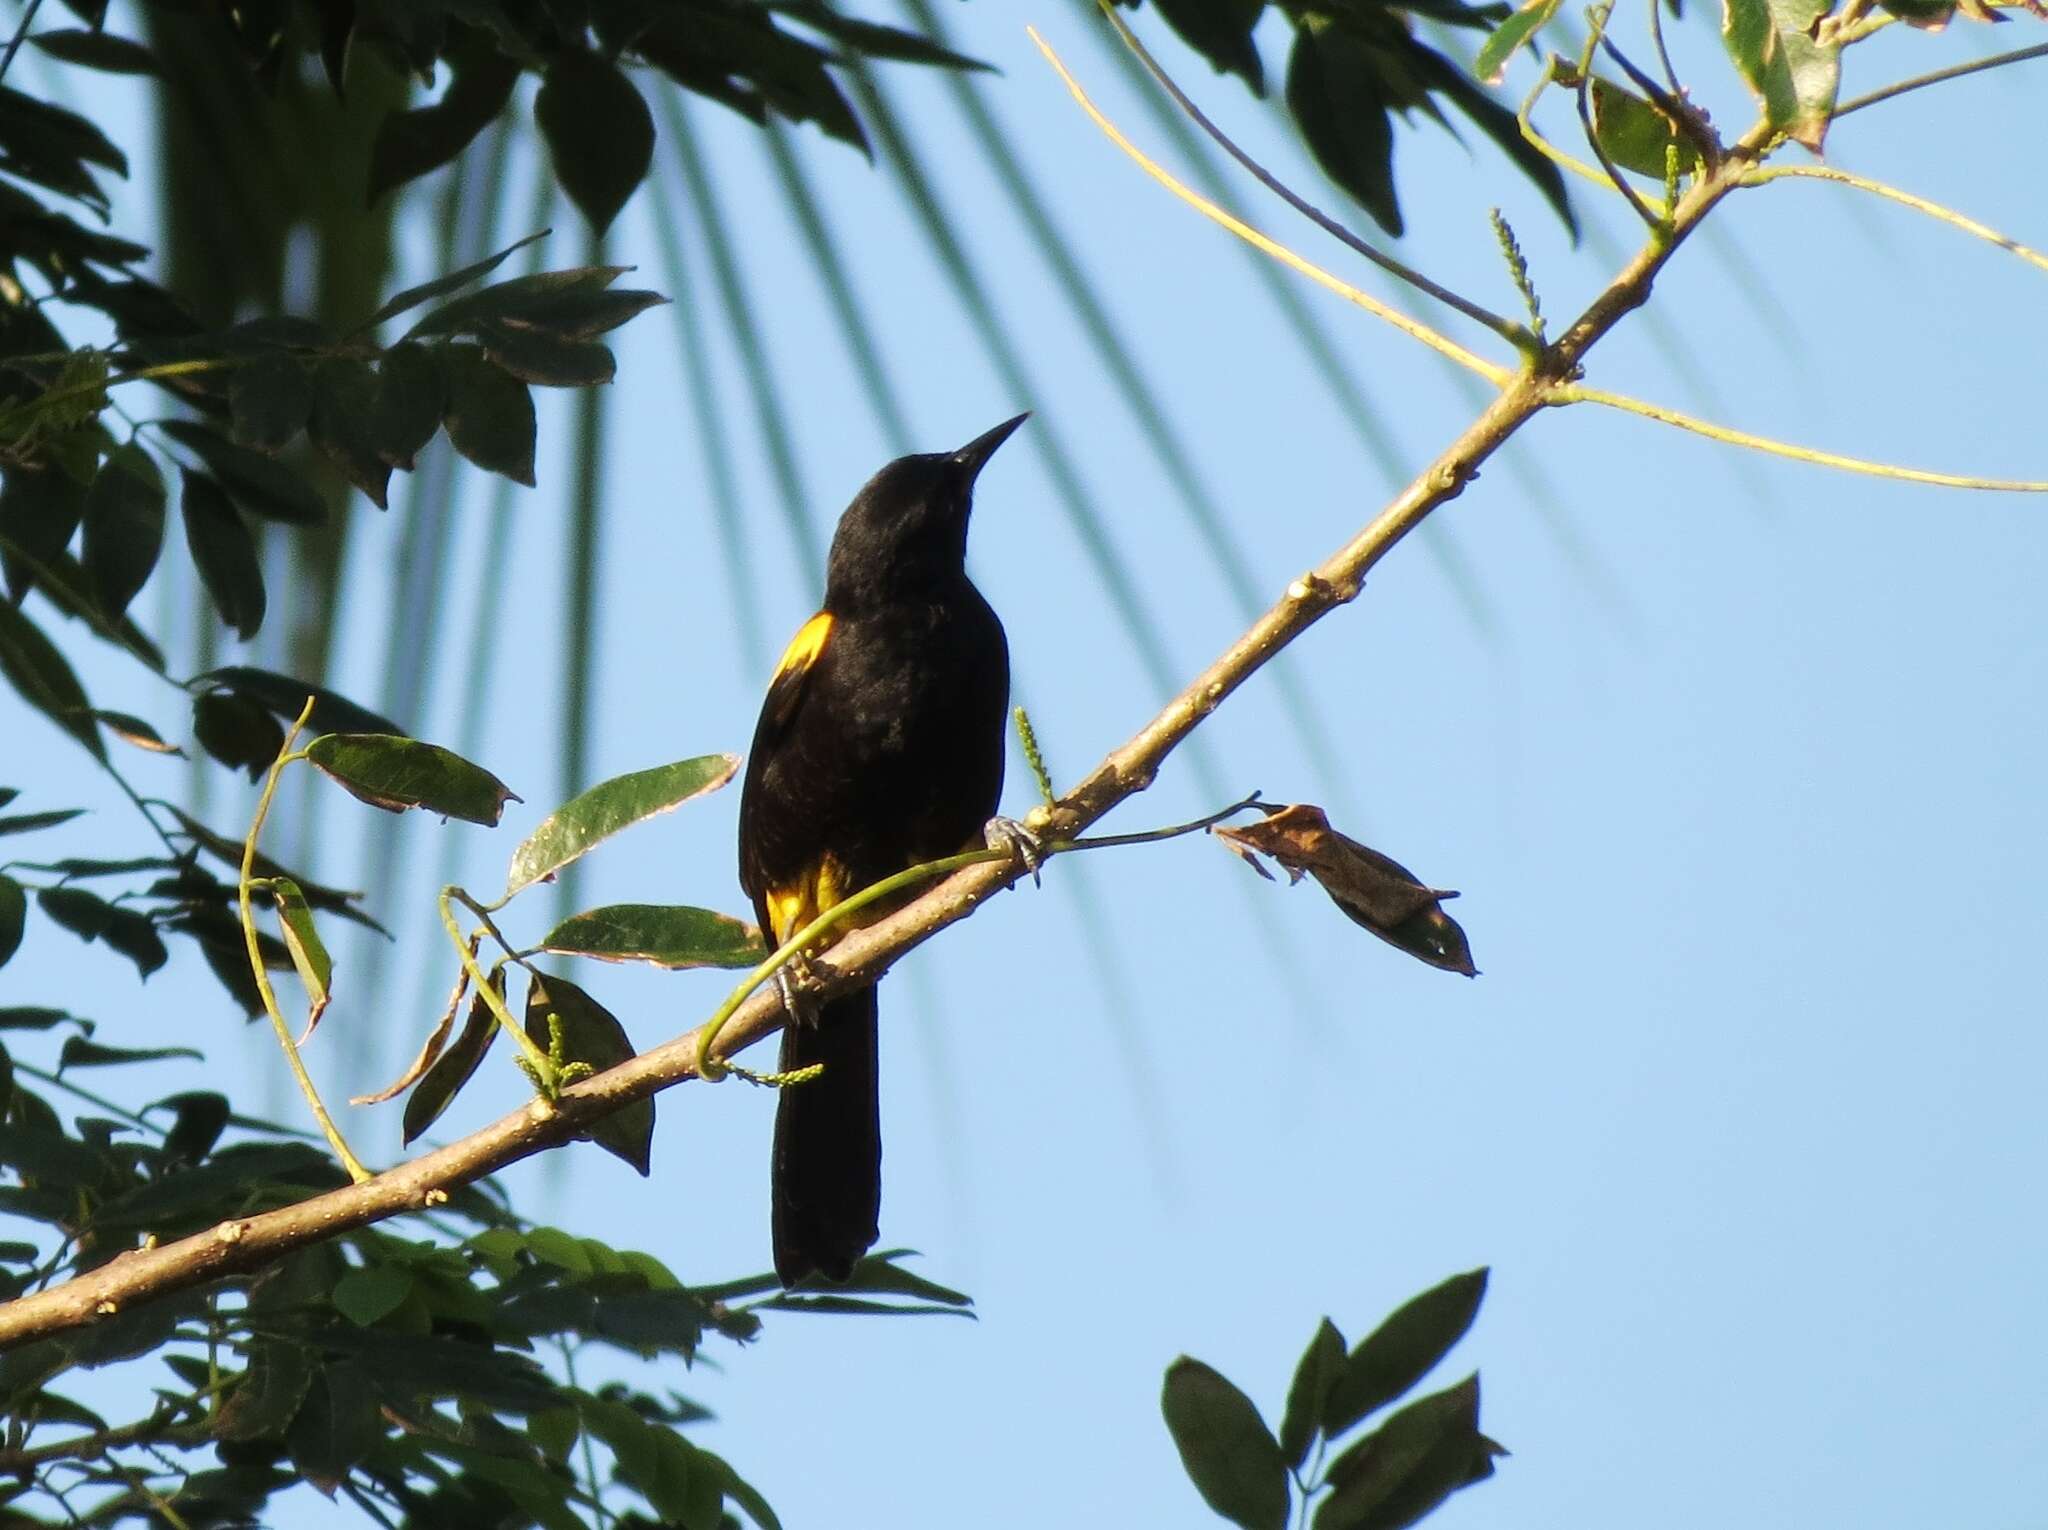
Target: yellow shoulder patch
point(804, 648)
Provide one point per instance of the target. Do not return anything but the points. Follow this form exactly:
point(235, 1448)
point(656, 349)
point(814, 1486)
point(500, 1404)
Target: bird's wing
point(778, 710)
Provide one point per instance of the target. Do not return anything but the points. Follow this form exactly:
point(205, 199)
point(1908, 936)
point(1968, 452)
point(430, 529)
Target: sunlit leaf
point(1525, 23)
point(396, 773)
point(595, 815)
point(309, 954)
point(665, 935)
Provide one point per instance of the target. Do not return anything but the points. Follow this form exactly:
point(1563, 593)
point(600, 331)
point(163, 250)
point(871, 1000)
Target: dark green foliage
point(1385, 1480)
point(598, 131)
point(417, 1364)
point(572, 1027)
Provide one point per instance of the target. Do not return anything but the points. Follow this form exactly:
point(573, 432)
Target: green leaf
point(411, 143)
point(1403, 1349)
point(538, 357)
point(453, 1068)
point(259, 484)
point(332, 712)
point(1633, 133)
point(396, 773)
point(124, 526)
point(740, 1491)
point(13, 917)
point(346, 415)
point(134, 936)
point(874, 40)
point(1340, 103)
point(309, 955)
point(598, 130)
point(1222, 31)
point(369, 1295)
point(96, 50)
point(264, 1401)
point(224, 553)
point(1410, 1464)
point(39, 674)
point(1228, 1451)
point(84, 914)
point(133, 730)
point(593, 816)
point(411, 398)
point(527, 299)
point(490, 414)
point(666, 935)
point(1525, 23)
point(40, 509)
point(592, 1034)
point(201, 1116)
point(1795, 78)
point(1314, 1375)
point(29, 823)
point(270, 397)
point(454, 281)
point(236, 731)
point(80, 1053)
point(336, 1426)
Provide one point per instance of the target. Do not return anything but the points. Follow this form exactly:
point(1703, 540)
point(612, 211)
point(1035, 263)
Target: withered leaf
point(1375, 890)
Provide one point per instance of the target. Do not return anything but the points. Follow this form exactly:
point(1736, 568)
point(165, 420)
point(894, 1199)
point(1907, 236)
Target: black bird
point(880, 746)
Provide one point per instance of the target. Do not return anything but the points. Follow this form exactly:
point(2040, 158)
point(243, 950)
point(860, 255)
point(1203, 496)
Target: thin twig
point(1506, 328)
point(1940, 76)
point(710, 1066)
point(1664, 58)
point(335, 1140)
point(1572, 393)
point(28, 18)
point(1597, 16)
point(1765, 174)
point(1443, 345)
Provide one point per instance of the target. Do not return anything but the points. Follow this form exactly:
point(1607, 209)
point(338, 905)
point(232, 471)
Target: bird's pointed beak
point(975, 454)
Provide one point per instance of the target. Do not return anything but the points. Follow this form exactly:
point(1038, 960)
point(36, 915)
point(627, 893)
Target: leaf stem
point(1939, 76)
point(1763, 175)
point(545, 1074)
point(1442, 344)
point(28, 17)
point(1573, 393)
point(711, 1069)
point(243, 889)
point(1507, 329)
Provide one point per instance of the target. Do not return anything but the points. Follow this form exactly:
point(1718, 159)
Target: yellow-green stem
point(285, 755)
point(545, 1071)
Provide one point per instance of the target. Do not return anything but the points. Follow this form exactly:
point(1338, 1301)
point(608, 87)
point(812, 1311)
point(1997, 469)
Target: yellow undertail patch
point(792, 907)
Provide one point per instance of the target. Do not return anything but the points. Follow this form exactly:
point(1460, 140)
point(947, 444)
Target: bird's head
point(907, 528)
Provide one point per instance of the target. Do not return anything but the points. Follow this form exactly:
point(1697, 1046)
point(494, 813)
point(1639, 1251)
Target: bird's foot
point(1008, 835)
point(793, 984)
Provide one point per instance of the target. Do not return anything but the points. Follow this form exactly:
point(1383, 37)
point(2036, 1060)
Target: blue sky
point(1737, 765)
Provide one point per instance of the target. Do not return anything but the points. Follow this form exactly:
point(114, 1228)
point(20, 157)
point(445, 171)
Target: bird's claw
point(1008, 835)
point(792, 984)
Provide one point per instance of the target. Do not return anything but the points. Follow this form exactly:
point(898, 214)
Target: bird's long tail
point(828, 1144)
